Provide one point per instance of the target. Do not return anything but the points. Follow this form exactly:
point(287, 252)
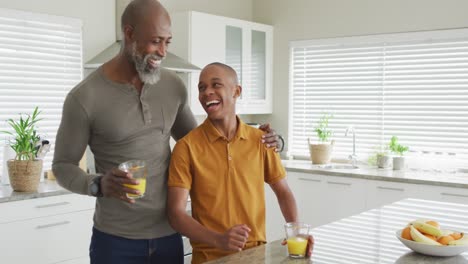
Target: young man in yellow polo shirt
point(223, 165)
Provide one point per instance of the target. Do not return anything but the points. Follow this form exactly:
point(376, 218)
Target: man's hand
point(270, 138)
point(310, 245)
point(112, 185)
point(234, 239)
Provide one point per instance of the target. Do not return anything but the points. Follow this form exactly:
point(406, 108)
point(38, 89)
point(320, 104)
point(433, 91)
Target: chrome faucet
point(352, 157)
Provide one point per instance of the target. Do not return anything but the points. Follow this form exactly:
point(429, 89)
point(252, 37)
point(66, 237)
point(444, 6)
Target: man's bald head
point(138, 11)
point(228, 69)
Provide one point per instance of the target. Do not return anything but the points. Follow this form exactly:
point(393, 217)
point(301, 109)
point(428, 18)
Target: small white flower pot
point(398, 163)
point(384, 161)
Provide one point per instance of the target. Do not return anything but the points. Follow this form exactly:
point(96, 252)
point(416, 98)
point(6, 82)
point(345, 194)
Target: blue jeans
point(110, 249)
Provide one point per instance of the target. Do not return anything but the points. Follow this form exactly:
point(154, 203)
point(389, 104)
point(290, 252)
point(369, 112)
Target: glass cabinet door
point(234, 49)
point(257, 90)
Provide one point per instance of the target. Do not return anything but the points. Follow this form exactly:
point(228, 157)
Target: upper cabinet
point(246, 46)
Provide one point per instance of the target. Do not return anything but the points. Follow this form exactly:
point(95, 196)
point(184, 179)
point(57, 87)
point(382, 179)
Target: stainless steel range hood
point(171, 61)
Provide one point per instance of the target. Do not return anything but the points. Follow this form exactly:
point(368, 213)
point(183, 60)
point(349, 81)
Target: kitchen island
point(368, 237)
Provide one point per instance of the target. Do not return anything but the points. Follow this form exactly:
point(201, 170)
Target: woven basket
point(24, 174)
point(321, 153)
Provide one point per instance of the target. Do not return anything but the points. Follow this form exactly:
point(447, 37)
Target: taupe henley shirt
point(119, 124)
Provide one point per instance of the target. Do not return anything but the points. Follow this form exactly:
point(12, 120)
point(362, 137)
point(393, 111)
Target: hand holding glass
point(297, 235)
point(139, 171)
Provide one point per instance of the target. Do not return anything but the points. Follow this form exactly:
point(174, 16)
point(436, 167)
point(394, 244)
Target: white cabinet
point(343, 197)
point(83, 260)
point(47, 230)
point(246, 46)
point(322, 199)
point(308, 189)
point(443, 194)
point(274, 217)
point(380, 193)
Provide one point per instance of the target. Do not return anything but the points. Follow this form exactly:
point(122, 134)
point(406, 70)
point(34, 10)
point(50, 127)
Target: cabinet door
point(443, 194)
point(257, 90)
point(245, 46)
point(47, 239)
point(207, 44)
point(83, 260)
point(308, 190)
point(41, 207)
point(188, 259)
point(343, 197)
point(274, 217)
point(380, 193)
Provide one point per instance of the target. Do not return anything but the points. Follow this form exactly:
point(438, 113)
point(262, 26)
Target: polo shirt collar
point(213, 134)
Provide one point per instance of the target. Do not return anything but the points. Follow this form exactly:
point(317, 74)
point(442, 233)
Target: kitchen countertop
point(448, 179)
point(46, 188)
point(368, 237)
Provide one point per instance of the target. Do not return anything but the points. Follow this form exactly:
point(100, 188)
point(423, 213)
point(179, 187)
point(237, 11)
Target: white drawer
point(83, 260)
point(48, 239)
point(443, 194)
point(187, 246)
point(188, 259)
point(40, 207)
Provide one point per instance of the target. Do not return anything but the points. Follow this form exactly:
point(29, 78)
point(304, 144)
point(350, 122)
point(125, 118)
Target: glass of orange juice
point(297, 237)
point(139, 171)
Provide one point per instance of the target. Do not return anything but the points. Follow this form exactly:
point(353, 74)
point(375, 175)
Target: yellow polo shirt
point(226, 181)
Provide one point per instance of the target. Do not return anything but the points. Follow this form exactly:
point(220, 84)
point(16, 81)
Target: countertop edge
point(46, 188)
point(360, 175)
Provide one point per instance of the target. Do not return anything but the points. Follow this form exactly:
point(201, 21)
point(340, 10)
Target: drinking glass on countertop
point(139, 171)
point(297, 235)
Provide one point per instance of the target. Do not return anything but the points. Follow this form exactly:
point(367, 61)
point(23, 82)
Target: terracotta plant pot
point(24, 174)
point(321, 153)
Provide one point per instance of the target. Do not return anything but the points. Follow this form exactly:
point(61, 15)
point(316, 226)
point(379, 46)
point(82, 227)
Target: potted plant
point(381, 158)
point(321, 152)
point(399, 150)
point(24, 170)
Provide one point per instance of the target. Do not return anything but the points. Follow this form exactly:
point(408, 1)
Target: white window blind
point(410, 85)
point(40, 61)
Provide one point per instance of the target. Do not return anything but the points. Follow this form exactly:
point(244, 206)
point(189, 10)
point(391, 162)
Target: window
point(410, 85)
point(40, 61)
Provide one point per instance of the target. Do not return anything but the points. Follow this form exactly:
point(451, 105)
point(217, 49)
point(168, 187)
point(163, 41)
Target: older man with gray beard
point(128, 109)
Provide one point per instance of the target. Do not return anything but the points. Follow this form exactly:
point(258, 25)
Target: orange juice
point(297, 246)
point(140, 187)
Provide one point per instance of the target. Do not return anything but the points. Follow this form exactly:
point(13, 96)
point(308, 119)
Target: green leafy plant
point(396, 148)
point(323, 131)
point(25, 137)
point(379, 151)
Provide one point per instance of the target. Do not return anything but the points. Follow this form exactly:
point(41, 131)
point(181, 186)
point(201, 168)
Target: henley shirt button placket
point(229, 152)
point(146, 113)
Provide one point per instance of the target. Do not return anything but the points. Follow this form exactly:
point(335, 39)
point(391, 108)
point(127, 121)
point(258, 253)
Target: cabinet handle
point(53, 224)
point(391, 189)
point(52, 204)
point(454, 194)
point(339, 183)
point(307, 179)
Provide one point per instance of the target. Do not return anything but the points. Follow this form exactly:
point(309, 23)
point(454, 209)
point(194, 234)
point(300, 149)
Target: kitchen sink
point(338, 167)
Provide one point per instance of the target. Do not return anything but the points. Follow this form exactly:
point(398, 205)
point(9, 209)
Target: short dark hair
point(227, 68)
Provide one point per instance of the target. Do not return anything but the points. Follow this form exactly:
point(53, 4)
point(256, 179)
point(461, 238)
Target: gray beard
point(145, 72)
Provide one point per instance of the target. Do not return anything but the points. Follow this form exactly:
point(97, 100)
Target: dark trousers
point(110, 249)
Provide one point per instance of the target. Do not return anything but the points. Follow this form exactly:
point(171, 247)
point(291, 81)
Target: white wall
point(311, 19)
point(98, 16)
point(241, 9)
